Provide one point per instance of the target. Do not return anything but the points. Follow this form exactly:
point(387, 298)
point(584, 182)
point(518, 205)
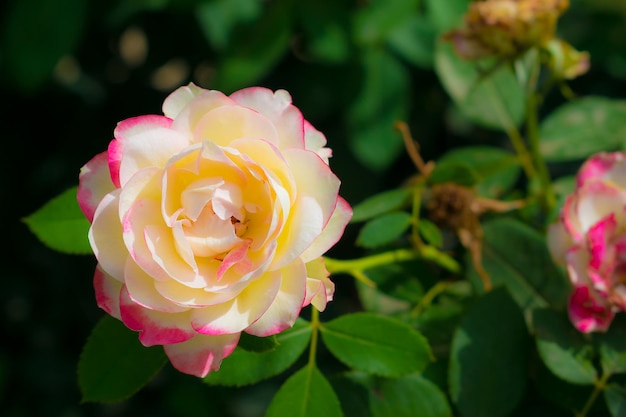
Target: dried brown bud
point(506, 28)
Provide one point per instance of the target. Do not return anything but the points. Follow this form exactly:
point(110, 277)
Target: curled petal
point(319, 287)
point(201, 354)
point(607, 166)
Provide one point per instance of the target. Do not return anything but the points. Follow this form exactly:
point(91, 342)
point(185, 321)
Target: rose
point(590, 240)
point(212, 220)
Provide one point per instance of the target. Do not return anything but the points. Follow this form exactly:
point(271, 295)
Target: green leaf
point(243, 367)
point(381, 102)
point(376, 344)
point(490, 98)
point(409, 396)
point(372, 24)
point(562, 348)
point(256, 48)
point(497, 170)
point(613, 346)
point(35, 35)
point(430, 232)
point(381, 203)
point(414, 40)
point(114, 364)
point(582, 127)
point(218, 18)
point(257, 344)
point(353, 394)
point(615, 397)
point(448, 14)
point(489, 354)
point(384, 229)
point(306, 393)
point(61, 225)
point(516, 256)
point(455, 172)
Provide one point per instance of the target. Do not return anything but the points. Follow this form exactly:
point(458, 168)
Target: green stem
point(315, 326)
point(428, 298)
point(427, 252)
point(532, 134)
point(598, 388)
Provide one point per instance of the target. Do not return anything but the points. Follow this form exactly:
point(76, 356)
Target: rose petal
point(105, 237)
point(94, 182)
point(155, 327)
point(178, 100)
point(316, 141)
point(319, 287)
point(332, 232)
point(107, 291)
point(286, 306)
point(202, 354)
point(276, 106)
point(608, 166)
point(589, 313)
point(239, 313)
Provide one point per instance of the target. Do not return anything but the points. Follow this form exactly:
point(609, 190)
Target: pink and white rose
point(212, 220)
point(590, 241)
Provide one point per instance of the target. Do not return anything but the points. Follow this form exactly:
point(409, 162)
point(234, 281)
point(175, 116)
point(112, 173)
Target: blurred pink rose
point(212, 220)
point(590, 240)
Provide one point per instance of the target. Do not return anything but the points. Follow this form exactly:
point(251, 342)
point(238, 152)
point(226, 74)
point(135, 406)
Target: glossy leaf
point(489, 96)
point(516, 256)
point(581, 127)
point(257, 344)
point(114, 364)
point(489, 354)
point(562, 348)
point(409, 396)
point(384, 229)
point(244, 367)
point(381, 203)
point(61, 225)
point(307, 393)
point(615, 397)
point(376, 344)
point(430, 232)
point(497, 169)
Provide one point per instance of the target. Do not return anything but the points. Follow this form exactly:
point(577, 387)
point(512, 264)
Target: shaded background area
point(71, 69)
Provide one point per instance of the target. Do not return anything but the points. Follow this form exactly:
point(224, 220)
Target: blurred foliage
point(71, 69)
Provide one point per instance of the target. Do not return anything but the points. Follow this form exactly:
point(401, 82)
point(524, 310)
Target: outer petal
point(331, 233)
point(608, 166)
point(94, 182)
point(155, 328)
point(105, 237)
point(316, 141)
point(107, 292)
point(125, 130)
point(277, 107)
point(284, 311)
point(589, 313)
point(316, 199)
point(202, 354)
point(178, 100)
point(597, 200)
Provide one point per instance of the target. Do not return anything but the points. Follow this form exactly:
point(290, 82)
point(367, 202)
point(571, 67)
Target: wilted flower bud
point(565, 61)
point(590, 241)
point(506, 28)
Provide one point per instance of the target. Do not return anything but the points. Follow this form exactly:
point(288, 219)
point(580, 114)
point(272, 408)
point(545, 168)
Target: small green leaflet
point(307, 393)
point(381, 203)
point(257, 344)
point(114, 364)
point(376, 344)
point(61, 225)
point(384, 229)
